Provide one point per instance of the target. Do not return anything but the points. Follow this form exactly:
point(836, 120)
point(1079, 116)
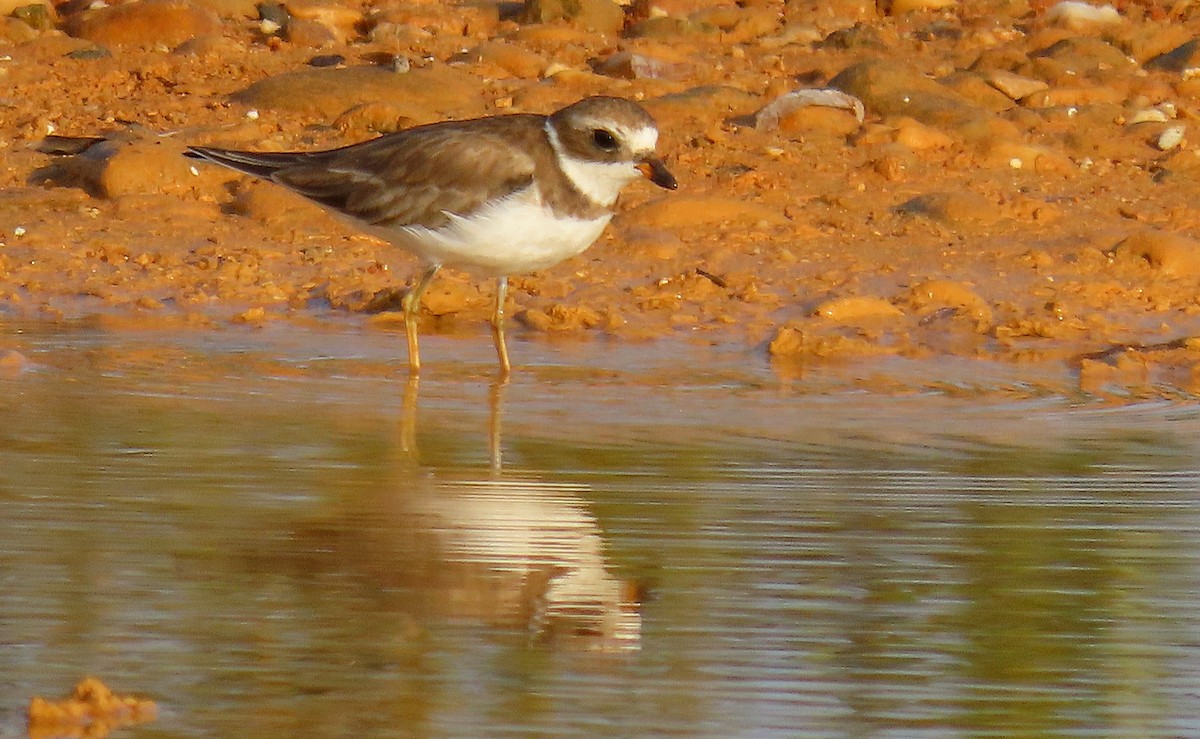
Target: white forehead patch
point(641, 139)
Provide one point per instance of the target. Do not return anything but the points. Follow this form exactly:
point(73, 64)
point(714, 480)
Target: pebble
point(888, 88)
point(1015, 86)
point(856, 309)
point(931, 296)
point(14, 31)
point(38, 15)
point(13, 363)
point(1170, 254)
point(561, 317)
point(371, 119)
point(423, 94)
point(144, 23)
point(512, 59)
point(916, 136)
point(341, 22)
point(953, 208)
point(633, 65)
point(1183, 57)
point(1171, 137)
point(8, 7)
point(738, 24)
point(309, 34)
point(1083, 55)
point(592, 15)
point(1079, 16)
point(126, 165)
point(799, 342)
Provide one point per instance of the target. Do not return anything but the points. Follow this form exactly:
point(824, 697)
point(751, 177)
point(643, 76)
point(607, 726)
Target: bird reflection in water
point(514, 551)
point(523, 551)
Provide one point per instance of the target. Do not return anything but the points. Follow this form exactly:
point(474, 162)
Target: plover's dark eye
point(604, 139)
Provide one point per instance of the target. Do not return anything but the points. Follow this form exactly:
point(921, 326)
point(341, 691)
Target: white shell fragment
point(1077, 15)
point(1171, 137)
point(1149, 115)
point(768, 118)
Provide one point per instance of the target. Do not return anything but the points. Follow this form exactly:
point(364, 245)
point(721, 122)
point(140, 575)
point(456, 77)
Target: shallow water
point(272, 533)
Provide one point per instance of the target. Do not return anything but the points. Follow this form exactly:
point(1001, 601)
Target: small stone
point(89, 53)
point(953, 208)
point(1015, 86)
point(39, 16)
point(125, 165)
point(738, 24)
point(309, 34)
point(1065, 60)
point(13, 7)
point(857, 37)
point(638, 66)
point(374, 119)
point(1171, 137)
point(327, 60)
point(429, 92)
point(1181, 58)
point(512, 59)
point(145, 23)
point(14, 32)
point(856, 309)
point(1079, 16)
point(1081, 95)
point(341, 22)
point(931, 296)
point(254, 315)
point(273, 12)
point(890, 167)
point(916, 136)
point(1170, 254)
point(890, 88)
point(593, 15)
point(209, 46)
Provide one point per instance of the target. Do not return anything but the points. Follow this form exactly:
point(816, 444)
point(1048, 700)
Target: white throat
point(600, 181)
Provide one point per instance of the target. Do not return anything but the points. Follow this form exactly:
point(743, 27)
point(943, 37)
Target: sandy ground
point(1019, 186)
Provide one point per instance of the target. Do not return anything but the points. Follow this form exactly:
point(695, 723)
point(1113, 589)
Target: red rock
point(145, 23)
point(437, 90)
point(593, 15)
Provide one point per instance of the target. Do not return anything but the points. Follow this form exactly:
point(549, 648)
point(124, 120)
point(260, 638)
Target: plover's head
point(604, 143)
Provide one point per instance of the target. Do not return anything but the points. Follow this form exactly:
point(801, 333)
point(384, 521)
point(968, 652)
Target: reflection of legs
point(495, 416)
point(498, 325)
point(411, 304)
point(408, 418)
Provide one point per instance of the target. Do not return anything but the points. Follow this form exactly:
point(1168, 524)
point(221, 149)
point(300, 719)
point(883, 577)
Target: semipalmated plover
point(500, 195)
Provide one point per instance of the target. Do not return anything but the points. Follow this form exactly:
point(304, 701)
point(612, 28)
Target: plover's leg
point(498, 325)
point(495, 417)
point(411, 304)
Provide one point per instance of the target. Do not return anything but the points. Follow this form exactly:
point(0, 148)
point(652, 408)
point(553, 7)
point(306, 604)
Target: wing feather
point(409, 178)
point(413, 177)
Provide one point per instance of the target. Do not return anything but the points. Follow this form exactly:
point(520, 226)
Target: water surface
point(273, 533)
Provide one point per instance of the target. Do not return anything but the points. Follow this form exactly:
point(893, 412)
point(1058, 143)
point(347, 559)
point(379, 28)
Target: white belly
point(513, 236)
